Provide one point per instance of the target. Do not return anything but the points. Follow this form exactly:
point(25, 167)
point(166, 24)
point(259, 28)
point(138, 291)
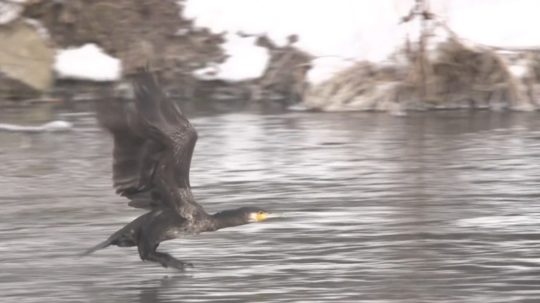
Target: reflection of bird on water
point(151, 291)
point(153, 145)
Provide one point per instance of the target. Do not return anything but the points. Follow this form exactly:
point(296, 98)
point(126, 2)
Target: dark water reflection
point(430, 207)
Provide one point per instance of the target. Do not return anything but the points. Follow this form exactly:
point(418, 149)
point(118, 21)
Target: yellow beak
point(261, 216)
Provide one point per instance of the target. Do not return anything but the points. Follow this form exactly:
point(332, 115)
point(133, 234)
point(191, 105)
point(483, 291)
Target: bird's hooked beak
point(258, 216)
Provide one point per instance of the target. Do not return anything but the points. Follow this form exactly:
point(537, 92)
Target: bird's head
point(254, 214)
point(250, 214)
point(240, 216)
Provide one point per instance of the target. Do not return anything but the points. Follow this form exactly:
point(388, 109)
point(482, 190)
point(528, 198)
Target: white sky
point(360, 29)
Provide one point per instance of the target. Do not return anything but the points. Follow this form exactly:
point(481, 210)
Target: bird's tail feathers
point(101, 245)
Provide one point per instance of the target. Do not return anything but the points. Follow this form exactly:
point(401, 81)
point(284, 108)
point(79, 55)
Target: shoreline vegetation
point(438, 70)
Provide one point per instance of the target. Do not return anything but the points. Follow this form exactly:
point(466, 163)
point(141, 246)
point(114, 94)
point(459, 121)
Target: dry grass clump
point(448, 74)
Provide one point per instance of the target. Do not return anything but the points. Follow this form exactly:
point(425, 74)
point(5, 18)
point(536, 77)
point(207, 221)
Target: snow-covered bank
point(345, 31)
point(206, 48)
point(335, 30)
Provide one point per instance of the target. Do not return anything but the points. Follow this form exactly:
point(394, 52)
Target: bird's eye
point(260, 212)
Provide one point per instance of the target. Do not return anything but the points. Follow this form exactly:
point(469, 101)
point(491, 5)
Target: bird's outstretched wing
point(154, 144)
point(134, 156)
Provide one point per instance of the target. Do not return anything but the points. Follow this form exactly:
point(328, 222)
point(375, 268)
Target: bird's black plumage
point(153, 146)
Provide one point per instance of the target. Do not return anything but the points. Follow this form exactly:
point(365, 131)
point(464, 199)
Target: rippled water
point(429, 207)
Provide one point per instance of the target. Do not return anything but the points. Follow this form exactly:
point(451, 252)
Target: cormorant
point(153, 145)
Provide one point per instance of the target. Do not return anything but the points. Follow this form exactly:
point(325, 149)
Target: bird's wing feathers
point(134, 155)
point(163, 122)
point(154, 144)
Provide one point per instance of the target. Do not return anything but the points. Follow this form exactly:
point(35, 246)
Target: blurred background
point(396, 140)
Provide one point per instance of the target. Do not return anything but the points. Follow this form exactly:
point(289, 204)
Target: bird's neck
point(224, 219)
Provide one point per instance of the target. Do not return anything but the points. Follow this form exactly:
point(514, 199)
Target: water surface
point(432, 207)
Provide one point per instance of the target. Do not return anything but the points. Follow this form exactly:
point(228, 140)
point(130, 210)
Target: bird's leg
point(149, 253)
point(166, 260)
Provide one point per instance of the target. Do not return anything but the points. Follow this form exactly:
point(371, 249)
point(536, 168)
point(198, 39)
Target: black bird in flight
point(153, 145)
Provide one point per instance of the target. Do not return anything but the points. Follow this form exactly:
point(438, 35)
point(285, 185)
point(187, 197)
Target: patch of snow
point(518, 71)
point(246, 61)
point(53, 126)
point(88, 62)
point(9, 11)
point(207, 73)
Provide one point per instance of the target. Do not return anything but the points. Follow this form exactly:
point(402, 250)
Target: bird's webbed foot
point(166, 260)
